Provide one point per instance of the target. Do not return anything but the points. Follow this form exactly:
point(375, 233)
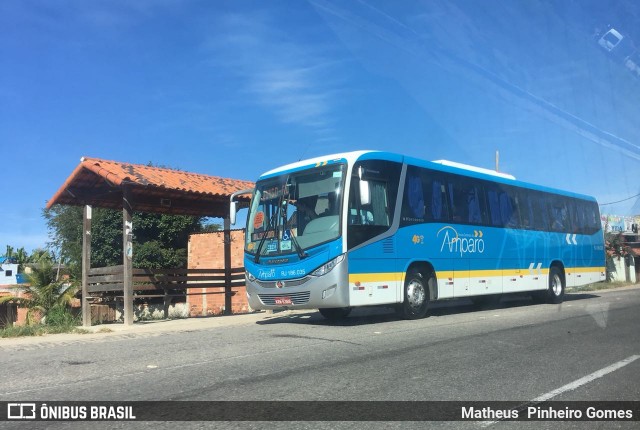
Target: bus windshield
point(295, 211)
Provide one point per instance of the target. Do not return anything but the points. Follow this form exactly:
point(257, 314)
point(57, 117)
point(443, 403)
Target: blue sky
point(235, 88)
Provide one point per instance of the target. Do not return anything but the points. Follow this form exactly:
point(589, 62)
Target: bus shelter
point(132, 187)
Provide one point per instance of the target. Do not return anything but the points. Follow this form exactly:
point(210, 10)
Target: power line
point(620, 201)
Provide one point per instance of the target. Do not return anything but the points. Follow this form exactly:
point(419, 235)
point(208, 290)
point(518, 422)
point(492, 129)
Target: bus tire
point(334, 314)
point(555, 293)
point(416, 294)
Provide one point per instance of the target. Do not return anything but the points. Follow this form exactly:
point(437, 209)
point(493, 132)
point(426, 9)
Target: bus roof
point(475, 169)
point(440, 165)
point(350, 157)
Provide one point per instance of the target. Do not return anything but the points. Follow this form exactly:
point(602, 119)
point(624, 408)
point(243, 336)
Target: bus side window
point(513, 220)
point(526, 210)
point(559, 216)
point(593, 218)
point(506, 209)
point(463, 192)
point(437, 200)
point(574, 216)
point(453, 205)
point(494, 207)
point(473, 204)
point(544, 212)
point(415, 197)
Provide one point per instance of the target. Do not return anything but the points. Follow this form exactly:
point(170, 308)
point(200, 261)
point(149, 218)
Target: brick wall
point(11, 314)
point(206, 251)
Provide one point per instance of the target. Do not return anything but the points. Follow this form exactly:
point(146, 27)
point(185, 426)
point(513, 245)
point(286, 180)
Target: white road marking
point(585, 380)
point(577, 383)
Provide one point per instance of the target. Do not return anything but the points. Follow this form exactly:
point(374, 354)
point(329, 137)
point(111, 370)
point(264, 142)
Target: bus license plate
point(283, 301)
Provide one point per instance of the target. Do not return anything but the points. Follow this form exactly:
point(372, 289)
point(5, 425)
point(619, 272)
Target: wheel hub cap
point(556, 285)
point(415, 294)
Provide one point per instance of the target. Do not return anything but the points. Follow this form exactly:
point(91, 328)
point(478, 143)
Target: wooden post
point(227, 266)
point(86, 265)
point(166, 302)
point(127, 254)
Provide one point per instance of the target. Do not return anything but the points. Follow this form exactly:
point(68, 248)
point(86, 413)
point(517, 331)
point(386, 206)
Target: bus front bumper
point(310, 292)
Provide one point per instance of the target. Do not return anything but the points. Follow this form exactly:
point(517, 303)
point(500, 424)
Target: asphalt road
point(516, 350)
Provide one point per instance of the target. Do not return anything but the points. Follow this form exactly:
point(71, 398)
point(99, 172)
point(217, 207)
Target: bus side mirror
point(233, 205)
point(232, 212)
point(365, 193)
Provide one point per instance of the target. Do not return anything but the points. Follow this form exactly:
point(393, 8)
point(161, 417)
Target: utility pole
point(497, 160)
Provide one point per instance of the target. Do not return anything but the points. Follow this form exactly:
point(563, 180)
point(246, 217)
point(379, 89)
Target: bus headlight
point(249, 276)
point(328, 267)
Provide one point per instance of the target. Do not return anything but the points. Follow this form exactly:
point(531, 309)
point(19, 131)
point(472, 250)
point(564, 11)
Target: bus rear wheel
point(555, 293)
point(416, 294)
point(335, 314)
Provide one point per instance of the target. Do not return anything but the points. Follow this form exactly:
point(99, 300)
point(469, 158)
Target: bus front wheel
point(416, 294)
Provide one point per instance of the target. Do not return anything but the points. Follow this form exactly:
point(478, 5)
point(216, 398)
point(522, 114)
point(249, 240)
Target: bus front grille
point(296, 298)
point(287, 282)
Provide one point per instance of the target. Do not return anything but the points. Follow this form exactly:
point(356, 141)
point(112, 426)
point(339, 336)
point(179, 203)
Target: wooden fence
point(165, 283)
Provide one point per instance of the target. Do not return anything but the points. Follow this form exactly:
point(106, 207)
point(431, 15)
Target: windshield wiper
point(296, 245)
point(272, 226)
point(285, 202)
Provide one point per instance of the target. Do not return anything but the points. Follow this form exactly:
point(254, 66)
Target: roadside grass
point(38, 330)
point(599, 286)
point(57, 321)
point(44, 329)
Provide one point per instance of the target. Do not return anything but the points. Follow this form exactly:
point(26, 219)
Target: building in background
point(9, 272)
point(626, 266)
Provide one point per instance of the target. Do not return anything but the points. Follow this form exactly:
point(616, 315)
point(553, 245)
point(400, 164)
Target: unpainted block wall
point(206, 251)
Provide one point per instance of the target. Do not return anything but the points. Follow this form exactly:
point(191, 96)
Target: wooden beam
point(127, 254)
point(109, 270)
point(86, 265)
point(227, 265)
point(118, 286)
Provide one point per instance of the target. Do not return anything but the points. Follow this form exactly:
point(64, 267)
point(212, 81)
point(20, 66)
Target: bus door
point(374, 277)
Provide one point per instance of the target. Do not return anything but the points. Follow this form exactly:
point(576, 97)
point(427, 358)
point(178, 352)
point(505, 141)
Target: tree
point(21, 257)
point(160, 241)
point(65, 233)
point(40, 255)
point(42, 294)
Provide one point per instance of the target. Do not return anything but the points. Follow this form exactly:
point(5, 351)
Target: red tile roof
point(100, 183)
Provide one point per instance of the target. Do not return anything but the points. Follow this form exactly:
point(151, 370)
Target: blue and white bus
point(375, 228)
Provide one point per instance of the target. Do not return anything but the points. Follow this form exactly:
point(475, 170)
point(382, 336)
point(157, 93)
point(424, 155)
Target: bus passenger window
point(494, 208)
point(473, 203)
point(415, 197)
point(559, 218)
point(436, 201)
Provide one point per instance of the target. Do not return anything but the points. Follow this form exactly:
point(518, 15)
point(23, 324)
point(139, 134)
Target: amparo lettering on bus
point(266, 273)
point(457, 243)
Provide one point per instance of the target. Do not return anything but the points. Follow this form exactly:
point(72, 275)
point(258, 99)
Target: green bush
point(61, 316)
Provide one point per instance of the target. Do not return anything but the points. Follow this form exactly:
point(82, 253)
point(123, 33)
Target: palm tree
point(21, 258)
point(40, 255)
point(42, 294)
